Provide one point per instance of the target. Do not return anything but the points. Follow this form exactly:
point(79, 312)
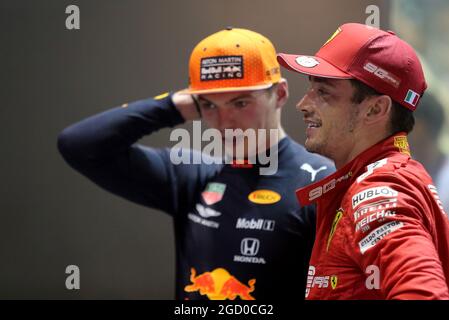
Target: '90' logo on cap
point(308, 62)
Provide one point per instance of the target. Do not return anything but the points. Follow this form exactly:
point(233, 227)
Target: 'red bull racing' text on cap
point(233, 60)
point(378, 58)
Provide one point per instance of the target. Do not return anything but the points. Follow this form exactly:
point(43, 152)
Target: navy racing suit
point(238, 234)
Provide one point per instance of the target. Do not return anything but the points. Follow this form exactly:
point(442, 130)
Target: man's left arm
point(394, 241)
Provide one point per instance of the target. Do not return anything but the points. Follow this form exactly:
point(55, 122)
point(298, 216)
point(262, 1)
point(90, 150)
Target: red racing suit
point(381, 231)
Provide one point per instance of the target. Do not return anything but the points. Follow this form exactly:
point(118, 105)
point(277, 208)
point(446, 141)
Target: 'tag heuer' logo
point(213, 193)
point(264, 196)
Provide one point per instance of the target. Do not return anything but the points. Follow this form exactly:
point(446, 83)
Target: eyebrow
point(204, 99)
point(242, 96)
point(322, 80)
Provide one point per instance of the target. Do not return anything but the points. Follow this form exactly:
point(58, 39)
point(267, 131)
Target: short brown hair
point(401, 120)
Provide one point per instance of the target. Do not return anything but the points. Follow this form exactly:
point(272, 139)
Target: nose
point(226, 118)
point(304, 105)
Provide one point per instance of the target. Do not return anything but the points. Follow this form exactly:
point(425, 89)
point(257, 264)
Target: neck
point(361, 142)
point(271, 141)
point(282, 133)
point(263, 144)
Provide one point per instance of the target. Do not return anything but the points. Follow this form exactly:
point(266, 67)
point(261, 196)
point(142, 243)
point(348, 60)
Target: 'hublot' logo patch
point(220, 68)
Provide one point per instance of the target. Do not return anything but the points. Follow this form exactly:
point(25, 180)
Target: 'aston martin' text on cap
point(233, 60)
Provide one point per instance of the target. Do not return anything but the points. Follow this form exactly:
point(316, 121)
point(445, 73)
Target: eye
point(241, 104)
point(322, 92)
point(207, 105)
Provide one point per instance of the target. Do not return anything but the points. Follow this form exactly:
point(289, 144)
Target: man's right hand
point(186, 106)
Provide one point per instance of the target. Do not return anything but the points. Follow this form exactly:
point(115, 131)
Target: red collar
point(244, 164)
point(344, 177)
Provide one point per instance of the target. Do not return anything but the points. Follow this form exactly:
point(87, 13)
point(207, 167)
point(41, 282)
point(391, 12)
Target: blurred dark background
point(51, 216)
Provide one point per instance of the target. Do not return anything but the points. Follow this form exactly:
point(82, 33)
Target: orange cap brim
point(226, 89)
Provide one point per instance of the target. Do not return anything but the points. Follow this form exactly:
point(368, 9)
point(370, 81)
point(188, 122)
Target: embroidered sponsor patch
point(371, 167)
point(435, 195)
point(334, 281)
point(213, 193)
point(379, 216)
point(307, 62)
point(337, 32)
point(323, 188)
point(264, 197)
point(401, 143)
point(207, 212)
point(412, 97)
point(373, 193)
point(378, 234)
point(386, 76)
point(222, 67)
point(337, 218)
point(219, 284)
point(255, 224)
point(320, 282)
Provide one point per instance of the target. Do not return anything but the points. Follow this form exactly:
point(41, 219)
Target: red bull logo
point(219, 284)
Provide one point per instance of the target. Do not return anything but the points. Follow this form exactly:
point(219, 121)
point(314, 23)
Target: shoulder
point(405, 174)
point(394, 196)
point(404, 183)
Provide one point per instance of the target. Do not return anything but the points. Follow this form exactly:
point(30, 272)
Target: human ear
point(282, 93)
point(378, 109)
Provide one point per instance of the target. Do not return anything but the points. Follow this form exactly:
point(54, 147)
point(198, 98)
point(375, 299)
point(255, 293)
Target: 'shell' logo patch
point(264, 196)
point(222, 67)
point(401, 143)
